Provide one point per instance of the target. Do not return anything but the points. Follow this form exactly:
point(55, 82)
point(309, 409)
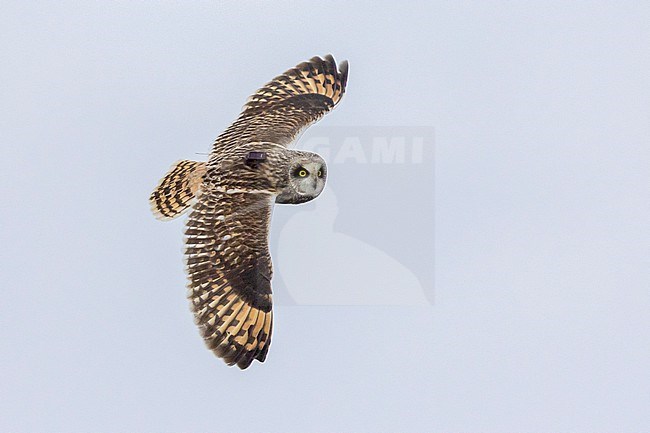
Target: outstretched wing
point(230, 270)
point(288, 104)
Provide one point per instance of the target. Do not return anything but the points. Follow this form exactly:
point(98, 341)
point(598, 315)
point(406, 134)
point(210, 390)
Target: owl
point(230, 198)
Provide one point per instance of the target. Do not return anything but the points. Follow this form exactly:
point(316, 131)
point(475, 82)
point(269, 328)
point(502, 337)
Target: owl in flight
point(230, 199)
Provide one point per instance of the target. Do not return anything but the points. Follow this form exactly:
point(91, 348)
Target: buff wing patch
point(177, 190)
point(232, 328)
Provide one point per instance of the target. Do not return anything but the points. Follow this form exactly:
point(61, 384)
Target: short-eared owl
point(231, 197)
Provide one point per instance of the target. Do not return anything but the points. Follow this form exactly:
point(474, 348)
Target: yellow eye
point(302, 173)
point(320, 173)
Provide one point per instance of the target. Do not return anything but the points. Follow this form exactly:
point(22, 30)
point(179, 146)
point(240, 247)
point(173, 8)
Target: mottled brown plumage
point(227, 253)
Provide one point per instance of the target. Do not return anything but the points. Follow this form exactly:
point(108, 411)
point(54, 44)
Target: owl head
point(307, 173)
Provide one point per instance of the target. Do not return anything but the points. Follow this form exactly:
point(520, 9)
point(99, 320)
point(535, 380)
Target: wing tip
point(303, 74)
point(344, 68)
point(340, 72)
point(238, 337)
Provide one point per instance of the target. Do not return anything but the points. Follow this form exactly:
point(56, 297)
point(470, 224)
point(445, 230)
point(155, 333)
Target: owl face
point(307, 175)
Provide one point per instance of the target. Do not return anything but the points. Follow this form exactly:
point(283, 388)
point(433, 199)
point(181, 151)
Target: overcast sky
point(519, 242)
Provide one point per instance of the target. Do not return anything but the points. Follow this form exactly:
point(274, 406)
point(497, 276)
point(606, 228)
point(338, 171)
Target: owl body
point(291, 176)
point(230, 199)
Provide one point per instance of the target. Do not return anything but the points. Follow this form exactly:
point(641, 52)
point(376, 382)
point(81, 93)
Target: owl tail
point(177, 189)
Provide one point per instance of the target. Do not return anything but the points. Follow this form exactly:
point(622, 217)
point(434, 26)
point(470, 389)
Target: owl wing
point(291, 102)
point(230, 270)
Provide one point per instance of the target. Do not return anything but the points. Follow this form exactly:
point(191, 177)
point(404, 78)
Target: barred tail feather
point(177, 189)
